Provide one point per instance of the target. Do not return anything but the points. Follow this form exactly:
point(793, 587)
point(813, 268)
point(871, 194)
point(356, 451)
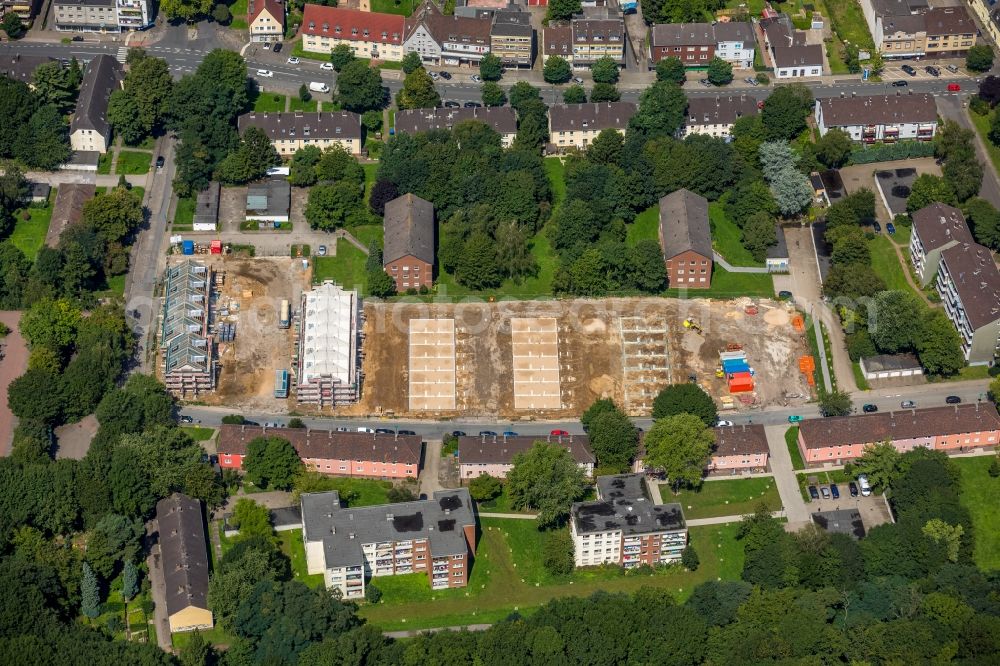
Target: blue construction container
point(187, 247)
point(737, 367)
point(729, 364)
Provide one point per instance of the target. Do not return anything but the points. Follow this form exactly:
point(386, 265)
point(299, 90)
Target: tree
point(521, 93)
point(341, 56)
point(372, 594)
point(493, 94)
point(833, 148)
point(720, 72)
point(689, 558)
point(785, 111)
point(359, 87)
point(54, 85)
point(556, 69)
point(606, 148)
point(90, 604)
point(614, 440)
point(196, 652)
point(44, 143)
point(130, 581)
point(662, 109)
point(221, 14)
point(575, 94)
point(418, 91)
point(233, 419)
point(557, 552)
point(605, 70)
point(11, 24)
point(484, 487)
point(330, 206)
point(880, 463)
point(304, 94)
point(38, 395)
point(563, 10)
point(255, 155)
point(114, 215)
point(685, 399)
point(398, 494)
point(979, 58)
point(792, 191)
point(985, 222)
point(490, 68)
point(296, 422)
point(994, 468)
point(545, 478)
point(599, 407)
point(989, 90)
point(928, 189)
point(253, 520)
point(681, 446)
point(302, 170)
point(938, 344)
point(604, 92)
point(410, 62)
point(271, 462)
point(188, 10)
point(834, 403)
point(758, 234)
point(895, 315)
point(649, 272)
point(671, 70)
point(114, 538)
point(950, 536)
point(383, 191)
point(477, 266)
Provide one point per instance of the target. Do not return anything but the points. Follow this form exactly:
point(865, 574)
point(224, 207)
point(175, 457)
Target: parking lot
point(873, 509)
point(894, 71)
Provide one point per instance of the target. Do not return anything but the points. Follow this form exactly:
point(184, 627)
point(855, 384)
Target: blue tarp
point(732, 363)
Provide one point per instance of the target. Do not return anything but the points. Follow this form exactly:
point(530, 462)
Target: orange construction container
point(807, 364)
point(798, 323)
point(740, 382)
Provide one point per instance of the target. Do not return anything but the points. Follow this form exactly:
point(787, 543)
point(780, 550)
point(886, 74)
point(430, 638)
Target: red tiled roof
point(352, 24)
point(276, 8)
point(327, 444)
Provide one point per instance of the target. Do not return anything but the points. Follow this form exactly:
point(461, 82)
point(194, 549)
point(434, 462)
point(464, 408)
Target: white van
point(866, 488)
point(368, 430)
point(319, 87)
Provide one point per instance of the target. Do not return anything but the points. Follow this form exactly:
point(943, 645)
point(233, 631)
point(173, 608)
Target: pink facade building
point(737, 449)
point(368, 455)
point(951, 428)
point(494, 454)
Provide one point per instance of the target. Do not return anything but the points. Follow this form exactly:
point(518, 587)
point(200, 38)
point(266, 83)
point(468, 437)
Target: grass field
point(729, 497)
point(104, 164)
point(646, 226)
point(403, 7)
point(269, 101)
point(347, 268)
point(354, 492)
point(979, 495)
point(729, 285)
point(726, 238)
point(217, 636)
point(292, 546)
point(184, 213)
point(28, 236)
point(296, 104)
point(792, 442)
point(497, 587)
point(198, 434)
point(556, 172)
point(371, 170)
point(133, 162)
point(239, 11)
point(366, 233)
point(982, 124)
point(886, 264)
point(500, 504)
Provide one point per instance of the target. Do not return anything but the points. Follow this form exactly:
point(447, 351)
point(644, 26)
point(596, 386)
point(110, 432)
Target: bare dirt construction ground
point(251, 291)
point(626, 349)
point(13, 363)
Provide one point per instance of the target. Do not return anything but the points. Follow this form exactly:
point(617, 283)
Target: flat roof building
point(206, 210)
point(329, 346)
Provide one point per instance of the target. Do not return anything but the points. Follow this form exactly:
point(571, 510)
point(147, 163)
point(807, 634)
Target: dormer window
point(366, 32)
point(336, 29)
point(312, 25)
point(354, 32)
point(384, 34)
point(326, 26)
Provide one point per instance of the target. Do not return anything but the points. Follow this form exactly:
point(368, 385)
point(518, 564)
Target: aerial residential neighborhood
point(499, 332)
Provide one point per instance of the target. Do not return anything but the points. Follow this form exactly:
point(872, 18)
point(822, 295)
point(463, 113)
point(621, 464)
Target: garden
point(29, 234)
point(725, 497)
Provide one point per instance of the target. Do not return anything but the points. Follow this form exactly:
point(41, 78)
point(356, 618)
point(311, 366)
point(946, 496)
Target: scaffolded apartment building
point(186, 348)
point(329, 347)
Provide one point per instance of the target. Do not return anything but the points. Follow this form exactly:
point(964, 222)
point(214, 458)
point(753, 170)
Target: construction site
point(552, 359)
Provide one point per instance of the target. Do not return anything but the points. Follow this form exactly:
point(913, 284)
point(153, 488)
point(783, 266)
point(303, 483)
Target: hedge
point(885, 152)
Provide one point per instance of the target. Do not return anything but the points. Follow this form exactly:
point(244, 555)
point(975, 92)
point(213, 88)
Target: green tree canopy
point(418, 91)
point(785, 111)
point(490, 68)
point(720, 72)
point(359, 87)
point(341, 56)
point(545, 478)
point(614, 440)
point(493, 94)
point(574, 94)
point(556, 69)
point(681, 446)
point(271, 462)
point(685, 399)
point(671, 70)
point(605, 70)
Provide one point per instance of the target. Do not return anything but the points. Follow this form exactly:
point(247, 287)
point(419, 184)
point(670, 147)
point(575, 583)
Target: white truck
point(317, 86)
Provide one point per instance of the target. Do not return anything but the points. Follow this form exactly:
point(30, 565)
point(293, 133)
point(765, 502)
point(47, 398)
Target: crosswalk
point(122, 54)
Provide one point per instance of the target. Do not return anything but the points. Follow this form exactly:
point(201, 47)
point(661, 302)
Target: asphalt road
point(951, 108)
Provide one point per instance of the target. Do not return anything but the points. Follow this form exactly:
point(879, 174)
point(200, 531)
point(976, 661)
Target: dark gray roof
point(623, 504)
point(698, 34)
point(183, 553)
point(591, 116)
point(841, 521)
point(276, 193)
point(684, 224)
point(906, 24)
point(798, 56)
point(878, 110)
point(501, 118)
point(500, 450)
point(949, 21)
point(511, 23)
point(740, 440)
point(39, 190)
point(780, 249)
point(734, 31)
point(20, 66)
point(885, 362)
point(441, 520)
point(206, 209)
point(304, 125)
point(977, 280)
point(938, 225)
point(70, 197)
point(720, 109)
point(101, 78)
point(409, 229)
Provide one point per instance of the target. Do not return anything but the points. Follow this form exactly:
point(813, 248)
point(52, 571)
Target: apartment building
point(293, 130)
point(101, 15)
point(446, 40)
point(577, 125)
point(737, 449)
point(19, 66)
point(183, 558)
point(557, 40)
point(371, 35)
point(716, 115)
point(788, 49)
point(502, 119)
point(935, 228)
point(328, 372)
point(686, 240)
point(951, 428)
point(912, 29)
point(26, 10)
point(186, 347)
point(969, 284)
point(886, 118)
point(134, 15)
point(494, 454)
point(624, 527)
point(357, 454)
point(695, 44)
point(951, 32)
point(512, 39)
point(89, 130)
point(351, 545)
point(408, 256)
point(266, 20)
point(597, 34)
point(989, 17)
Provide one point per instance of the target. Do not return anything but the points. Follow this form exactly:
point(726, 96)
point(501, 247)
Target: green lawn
point(979, 495)
point(371, 170)
point(217, 636)
point(556, 171)
point(269, 101)
point(184, 213)
point(197, 433)
point(729, 497)
point(145, 144)
point(104, 164)
point(646, 226)
point(296, 104)
point(886, 264)
point(859, 376)
point(366, 233)
point(727, 285)
point(309, 55)
point(500, 504)
point(982, 124)
point(116, 285)
point(292, 546)
point(239, 11)
point(347, 268)
point(29, 235)
point(403, 7)
point(133, 162)
point(726, 238)
point(792, 442)
point(507, 574)
point(353, 492)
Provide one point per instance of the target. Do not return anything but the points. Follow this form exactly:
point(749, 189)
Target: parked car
point(723, 423)
point(328, 66)
point(835, 491)
point(877, 227)
point(558, 433)
point(952, 68)
point(342, 429)
point(577, 80)
point(890, 227)
point(368, 430)
point(907, 404)
point(434, 76)
point(476, 78)
point(813, 493)
point(77, 38)
point(706, 83)
point(321, 250)
point(953, 400)
point(406, 432)
point(869, 408)
point(509, 433)
point(451, 104)
point(445, 75)
point(472, 105)
point(384, 431)
point(853, 487)
point(932, 70)
point(954, 87)
point(487, 433)
point(825, 491)
point(752, 81)
point(909, 70)
point(160, 162)
point(900, 83)
point(784, 295)
point(265, 73)
point(187, 419)
point(458, 433)
point(277, 47)
point(795, 418)
point(866, 488)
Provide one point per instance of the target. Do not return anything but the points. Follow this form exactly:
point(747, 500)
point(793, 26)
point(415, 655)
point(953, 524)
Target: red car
point(954, 87)
point(558, 433)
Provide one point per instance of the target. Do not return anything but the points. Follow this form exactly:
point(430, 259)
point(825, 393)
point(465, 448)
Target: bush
point(689, 558)
point(885, 152)
point(372, 594)
point(979, 106)
point(304, 94)
point(994, 469)
point(296, 423)
point(763, 79)
point(233, 419)
point(484, 487)
point(25, 216)
point(557, 553)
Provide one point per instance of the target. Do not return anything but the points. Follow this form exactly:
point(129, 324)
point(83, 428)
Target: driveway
point(430, 479)
point(784, 477)
point(158, 589)
point(950, 106)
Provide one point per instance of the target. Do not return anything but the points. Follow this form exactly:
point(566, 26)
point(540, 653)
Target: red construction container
point(740, 382)
point(216, 247)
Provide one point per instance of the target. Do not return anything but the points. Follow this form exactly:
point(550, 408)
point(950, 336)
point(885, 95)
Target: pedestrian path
point(722, 520)
point(719, 259)
point(518, 516)
point(122, 54)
